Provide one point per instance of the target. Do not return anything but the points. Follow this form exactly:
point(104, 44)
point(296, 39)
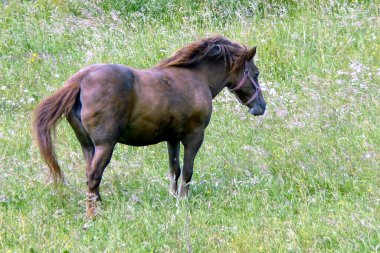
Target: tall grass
point(304, 177)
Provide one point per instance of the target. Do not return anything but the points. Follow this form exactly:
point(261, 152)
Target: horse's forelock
point(239, 61)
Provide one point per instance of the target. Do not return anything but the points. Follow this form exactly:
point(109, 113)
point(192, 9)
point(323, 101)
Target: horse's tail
point(47, 115)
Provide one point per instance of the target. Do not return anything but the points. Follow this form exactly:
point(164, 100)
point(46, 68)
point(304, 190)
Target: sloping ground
point(304, 177)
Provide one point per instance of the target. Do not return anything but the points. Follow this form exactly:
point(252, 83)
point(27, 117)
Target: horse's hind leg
point(97, 157)
point(102, 156)
point(88, 147)
point(174, 167)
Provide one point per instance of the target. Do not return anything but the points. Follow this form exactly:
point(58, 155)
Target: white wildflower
point(294, 36)
point(272, 92)
point(249, 148)
point(356, 67)
point(89, 55)
point(115, 16)
point(263, 86)
point(341, 72)
point(281, 112)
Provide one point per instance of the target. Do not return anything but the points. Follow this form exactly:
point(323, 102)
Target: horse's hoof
point(183, 190)
point(91, 211)
point(91, 207)
point(173, 189)
point(183, 194)
point(173, 193)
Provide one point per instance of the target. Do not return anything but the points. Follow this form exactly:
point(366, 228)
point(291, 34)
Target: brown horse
point(107, 104)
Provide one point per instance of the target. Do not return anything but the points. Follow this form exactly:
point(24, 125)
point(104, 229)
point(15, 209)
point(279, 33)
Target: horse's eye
point(257, 73)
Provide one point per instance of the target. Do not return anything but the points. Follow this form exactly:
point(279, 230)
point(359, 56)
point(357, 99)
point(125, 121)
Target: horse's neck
point(215, 76)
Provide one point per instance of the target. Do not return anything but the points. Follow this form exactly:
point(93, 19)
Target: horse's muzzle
point(257, 109)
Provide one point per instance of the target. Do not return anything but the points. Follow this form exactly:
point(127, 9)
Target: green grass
point(302, 178)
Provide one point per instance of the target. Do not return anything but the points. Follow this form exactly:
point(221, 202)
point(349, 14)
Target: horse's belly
point(147, 136)
point(133, 141)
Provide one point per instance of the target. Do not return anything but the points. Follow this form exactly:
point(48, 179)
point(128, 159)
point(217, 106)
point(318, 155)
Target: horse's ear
point(215, 50)
point(252, 53)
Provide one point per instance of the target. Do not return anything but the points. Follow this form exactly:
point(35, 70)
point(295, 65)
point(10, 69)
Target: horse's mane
point(212, 48)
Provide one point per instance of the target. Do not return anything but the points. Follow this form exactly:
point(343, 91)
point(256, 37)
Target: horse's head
point(246, 85)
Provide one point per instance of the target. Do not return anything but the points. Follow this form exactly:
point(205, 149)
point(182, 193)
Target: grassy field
point(304, 177)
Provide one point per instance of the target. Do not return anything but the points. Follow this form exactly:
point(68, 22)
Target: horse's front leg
point(174, 168)
point(102, 157)
point(192, 142)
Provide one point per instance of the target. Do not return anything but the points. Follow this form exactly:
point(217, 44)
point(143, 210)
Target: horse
point(106, 104)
